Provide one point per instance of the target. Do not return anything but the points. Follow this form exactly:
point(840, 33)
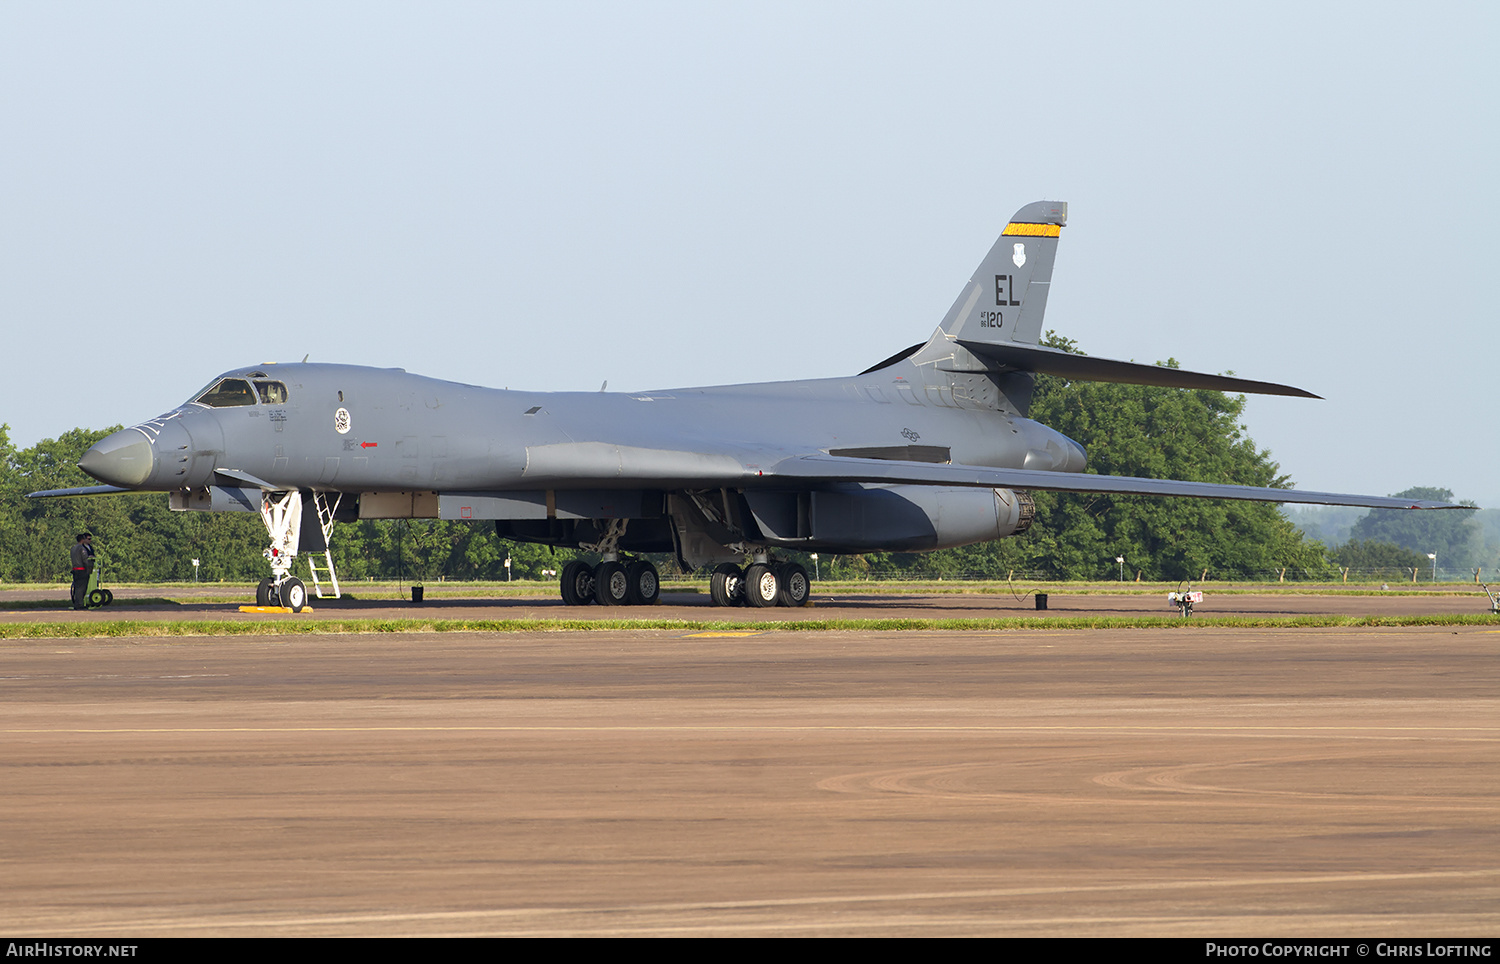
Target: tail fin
point(1005, 300)
point(994, 327)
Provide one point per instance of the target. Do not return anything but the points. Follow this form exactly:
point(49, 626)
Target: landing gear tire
point(578, 583)
point(727, 584)
point(611, 584)
point(294, 595)
point(762, 586)
point(263, 592)
point(796, 589)
point(643, 584)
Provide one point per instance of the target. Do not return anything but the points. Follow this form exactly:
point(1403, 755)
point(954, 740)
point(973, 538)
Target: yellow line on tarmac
point(718, 634)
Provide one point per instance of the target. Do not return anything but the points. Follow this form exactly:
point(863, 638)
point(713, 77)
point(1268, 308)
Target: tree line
point(1133, 430)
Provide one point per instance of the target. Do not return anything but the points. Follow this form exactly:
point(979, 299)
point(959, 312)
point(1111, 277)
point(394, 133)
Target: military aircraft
point(928, 449)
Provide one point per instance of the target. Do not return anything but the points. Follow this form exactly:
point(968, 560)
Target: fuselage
point(352, 428)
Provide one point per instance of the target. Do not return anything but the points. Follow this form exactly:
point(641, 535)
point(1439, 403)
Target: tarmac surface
point(1202, 782)
point(188, 603)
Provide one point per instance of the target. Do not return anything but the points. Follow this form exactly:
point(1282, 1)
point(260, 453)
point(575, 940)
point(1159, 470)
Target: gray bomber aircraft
point(930, 448)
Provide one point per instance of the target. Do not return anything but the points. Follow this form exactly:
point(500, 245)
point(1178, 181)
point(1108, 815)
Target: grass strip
point(1132, 589)
point(293, 626)
point(229, 592)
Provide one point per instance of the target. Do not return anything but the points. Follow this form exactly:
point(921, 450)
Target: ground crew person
point(82, 558)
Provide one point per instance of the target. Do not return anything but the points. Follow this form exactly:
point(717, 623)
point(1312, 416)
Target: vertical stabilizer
point(1006, 298)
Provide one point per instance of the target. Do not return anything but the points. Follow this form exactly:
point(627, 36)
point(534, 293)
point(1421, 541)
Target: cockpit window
point(227, 394)
point(271, 393)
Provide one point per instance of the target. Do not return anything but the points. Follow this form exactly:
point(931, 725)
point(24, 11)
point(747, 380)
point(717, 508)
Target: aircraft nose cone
point(123, 459)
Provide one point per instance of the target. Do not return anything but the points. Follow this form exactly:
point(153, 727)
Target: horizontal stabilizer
point(1051, 361)
point(827, 468)
point(81, 490)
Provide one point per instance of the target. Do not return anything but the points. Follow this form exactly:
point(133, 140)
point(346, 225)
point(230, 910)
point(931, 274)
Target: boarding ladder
point(322, 569)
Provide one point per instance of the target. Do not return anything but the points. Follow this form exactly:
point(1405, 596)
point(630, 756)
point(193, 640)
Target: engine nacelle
point(904, 518)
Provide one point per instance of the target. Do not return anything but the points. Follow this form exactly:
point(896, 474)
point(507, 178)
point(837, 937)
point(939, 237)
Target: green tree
point(10, 508)
point(1452, 534)
point(1371, 554)
point(39, 533)
point(1165, 433)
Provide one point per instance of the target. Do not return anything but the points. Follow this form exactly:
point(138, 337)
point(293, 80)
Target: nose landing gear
point(282, 514)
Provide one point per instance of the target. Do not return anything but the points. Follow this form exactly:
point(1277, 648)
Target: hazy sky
point(546, 196)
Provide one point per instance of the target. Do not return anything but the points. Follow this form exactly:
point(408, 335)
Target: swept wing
point(828, 468)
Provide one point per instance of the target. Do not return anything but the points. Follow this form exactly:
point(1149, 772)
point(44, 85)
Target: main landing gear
point(619, 580)
point(762, 583)
point(614, 582)
point(636, 583)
